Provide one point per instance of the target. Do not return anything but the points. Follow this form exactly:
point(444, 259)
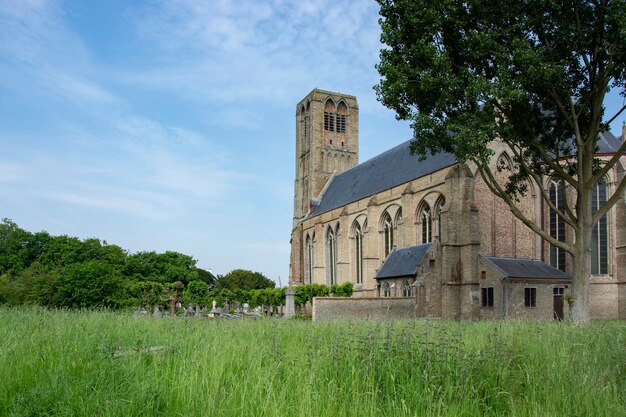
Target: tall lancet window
point(308, 264)
point(438, 207)
point(358, 252)
point(331, 256)
point(557, 224)
point(600, 237)
point(388, 234)
point(426, 220)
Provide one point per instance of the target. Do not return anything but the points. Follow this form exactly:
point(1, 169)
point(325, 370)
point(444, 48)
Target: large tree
point(245, 280)
point(533, 74)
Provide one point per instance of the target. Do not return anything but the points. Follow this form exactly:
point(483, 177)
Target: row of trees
point(63, 271)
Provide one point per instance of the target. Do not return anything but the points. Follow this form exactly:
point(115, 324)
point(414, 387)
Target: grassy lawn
point(58, 363)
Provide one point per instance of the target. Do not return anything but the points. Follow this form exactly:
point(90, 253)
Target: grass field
point(58, 363)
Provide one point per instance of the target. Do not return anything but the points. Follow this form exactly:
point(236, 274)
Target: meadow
point(102, 363)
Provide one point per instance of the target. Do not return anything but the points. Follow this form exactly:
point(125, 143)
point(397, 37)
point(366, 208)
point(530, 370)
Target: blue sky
point(169, 124)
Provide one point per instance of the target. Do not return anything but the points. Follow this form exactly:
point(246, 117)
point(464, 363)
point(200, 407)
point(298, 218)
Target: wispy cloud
point(233, 51)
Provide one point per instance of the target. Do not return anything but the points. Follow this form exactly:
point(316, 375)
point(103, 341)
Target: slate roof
point(608, 143)
point(397, 166)
point(389, 169)
point(403, 261)
point(526, 268)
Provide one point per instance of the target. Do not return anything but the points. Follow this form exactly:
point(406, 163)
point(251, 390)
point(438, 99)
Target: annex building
point(431, 230)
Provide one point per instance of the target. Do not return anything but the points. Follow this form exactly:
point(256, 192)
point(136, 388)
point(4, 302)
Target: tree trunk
point(581, 258)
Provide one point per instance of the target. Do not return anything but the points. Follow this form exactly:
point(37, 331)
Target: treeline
point(63, 271)
point(66, 272)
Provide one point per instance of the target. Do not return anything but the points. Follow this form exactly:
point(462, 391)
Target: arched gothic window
point(358, 252)
point(388, 234)
point(335, 119)
point(308, 273)
point(386, 290)
point(600, 237)
point(557, 224)
point(438, 207)
point(406, 289)
point(427, 224)
point(329, 115)
point(331, 256)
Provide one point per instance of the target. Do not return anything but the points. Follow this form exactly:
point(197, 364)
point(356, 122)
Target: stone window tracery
point(358, 252)
point(331, 256)
point(600, 236)
point(557, 224)
point(426, 222)
point(388, 234)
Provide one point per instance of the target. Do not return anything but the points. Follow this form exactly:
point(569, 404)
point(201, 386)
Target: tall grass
point(60, 363)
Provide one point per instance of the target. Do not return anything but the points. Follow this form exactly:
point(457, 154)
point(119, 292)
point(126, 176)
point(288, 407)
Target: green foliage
point(343, 290)
point(90, 284)
point(245, 280)
point(162, 267)
point(305, 293)
point(63, 271)
point(532, 74)
point(197, 292)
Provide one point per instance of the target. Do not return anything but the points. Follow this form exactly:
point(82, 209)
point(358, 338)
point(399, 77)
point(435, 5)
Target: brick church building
point(399, 227)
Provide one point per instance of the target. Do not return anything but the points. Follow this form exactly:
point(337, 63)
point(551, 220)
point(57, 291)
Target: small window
point(386, 290)
point(487, 296)
point(558, 290)
point(406, 289)
point(530, 297)
point(431, 263)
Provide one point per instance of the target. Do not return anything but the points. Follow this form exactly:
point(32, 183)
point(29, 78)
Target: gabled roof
point(608, 143)
point(403, 261)
point(526, 268)
point(389, 169)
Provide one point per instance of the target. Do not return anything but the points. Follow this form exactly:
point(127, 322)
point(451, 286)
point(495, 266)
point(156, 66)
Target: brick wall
point(338, 308)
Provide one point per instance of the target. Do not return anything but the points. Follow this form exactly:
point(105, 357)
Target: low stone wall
point(363, 308)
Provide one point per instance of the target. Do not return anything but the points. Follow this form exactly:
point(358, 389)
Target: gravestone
point(290, 303)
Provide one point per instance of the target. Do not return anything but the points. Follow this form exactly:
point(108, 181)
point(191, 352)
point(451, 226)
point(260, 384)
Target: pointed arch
point(357, 232)
point(308, 259)
point(600, 237)
point(342, 115)
point(386, 289)
point(331, 256)
point(556, 191)
point(387, 228)
point(425, 223)
point(329, 115)
point(406, 288)
point(441, 201)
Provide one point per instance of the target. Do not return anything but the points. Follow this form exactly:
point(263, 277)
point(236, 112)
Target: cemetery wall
point(363, 308)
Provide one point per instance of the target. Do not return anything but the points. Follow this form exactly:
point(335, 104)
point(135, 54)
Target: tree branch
point(568, 216)
point(495, 188)
point(610, 163)
point(610, 202)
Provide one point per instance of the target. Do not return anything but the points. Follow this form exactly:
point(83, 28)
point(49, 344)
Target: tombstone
point(214, 309)
point(189, 311)
point(246, 307)
point(157, 312)
point(290, 304)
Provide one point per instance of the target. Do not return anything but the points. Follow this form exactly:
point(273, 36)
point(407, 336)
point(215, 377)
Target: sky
point(170, 124)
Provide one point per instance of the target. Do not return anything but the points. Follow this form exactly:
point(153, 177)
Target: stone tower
point(327, 143)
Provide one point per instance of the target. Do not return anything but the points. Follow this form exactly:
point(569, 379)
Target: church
point(399, 227)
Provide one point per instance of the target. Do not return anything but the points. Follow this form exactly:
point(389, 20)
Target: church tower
point(327, 143)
